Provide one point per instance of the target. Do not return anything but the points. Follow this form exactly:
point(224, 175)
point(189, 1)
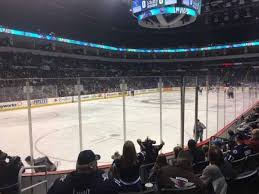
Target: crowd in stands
point(57, 76)
point(216, 168)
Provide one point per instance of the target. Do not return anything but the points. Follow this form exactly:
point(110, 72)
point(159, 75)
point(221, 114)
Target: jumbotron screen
point(139, 6)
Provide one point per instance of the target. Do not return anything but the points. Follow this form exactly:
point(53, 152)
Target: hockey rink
point(56, 131)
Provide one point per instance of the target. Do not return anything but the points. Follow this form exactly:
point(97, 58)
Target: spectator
point(9, 170)
point(41, 161)
point(116, 155)
point(231, 139)
point(160, 162)
point(3, 155)
point(179, 176)
point(212, 174)
point(197, 154)
point(86, 179)
point(205, 149)
point(253, 143)
point(252, 117)
point(177, 150)
point(150, 149)
point(126, 168)
point(225, 166)
point(241, 150)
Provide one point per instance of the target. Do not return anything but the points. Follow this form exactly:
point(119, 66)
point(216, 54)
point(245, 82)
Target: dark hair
point(3, 155)
point(184, 160)
point(215, 156)
point(28, 158)
point(129, 155)
point(192, 144)
point(205, 149)
point(161, 160)
point(231, 133)
point(177, 149)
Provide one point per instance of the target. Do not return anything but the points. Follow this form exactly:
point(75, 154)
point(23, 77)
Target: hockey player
point(200, 89)
point(198, 130)
point(230, 92)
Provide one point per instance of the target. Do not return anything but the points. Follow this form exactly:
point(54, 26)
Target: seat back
point(252, 162)
point(171, 161)
point(238, 165)
point(244, 183)
point(142, 192)
point(199, 167)
point(188, 190)
point(144, 171)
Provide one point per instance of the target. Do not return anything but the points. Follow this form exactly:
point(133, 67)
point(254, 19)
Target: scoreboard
point(139, 6)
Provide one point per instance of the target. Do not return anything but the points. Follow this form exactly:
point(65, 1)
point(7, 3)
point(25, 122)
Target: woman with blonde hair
point(125, 169)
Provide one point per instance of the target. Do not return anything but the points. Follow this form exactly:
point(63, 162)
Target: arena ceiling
point(110, 22)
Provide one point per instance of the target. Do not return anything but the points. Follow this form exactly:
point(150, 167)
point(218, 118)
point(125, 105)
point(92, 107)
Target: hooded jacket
point(81, 183)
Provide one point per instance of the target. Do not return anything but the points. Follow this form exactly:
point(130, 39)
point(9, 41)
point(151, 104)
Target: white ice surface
point(56, 133)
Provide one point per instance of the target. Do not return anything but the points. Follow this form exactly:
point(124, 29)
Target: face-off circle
point(166, 101)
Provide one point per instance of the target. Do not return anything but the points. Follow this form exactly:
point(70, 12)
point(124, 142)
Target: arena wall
point(15, 105)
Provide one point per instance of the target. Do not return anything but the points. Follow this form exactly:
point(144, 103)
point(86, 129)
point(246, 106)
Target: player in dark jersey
point(200, 89)
point(87, 178)
point(230, 92)
point(132, 92)
point(241, 150)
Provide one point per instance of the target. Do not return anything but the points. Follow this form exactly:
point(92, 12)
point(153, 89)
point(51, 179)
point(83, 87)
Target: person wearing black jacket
point(151, 150)
point(9, 170)
point(241, 150)
point(180, 175)
point(87, 179)
point(197, 154)
point(126, 169)
point(41, 161)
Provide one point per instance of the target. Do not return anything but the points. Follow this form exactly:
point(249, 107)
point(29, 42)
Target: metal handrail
point(21, 190)
point(8, 187)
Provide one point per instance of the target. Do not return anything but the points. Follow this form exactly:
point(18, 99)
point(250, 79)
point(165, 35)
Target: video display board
point(143, 5)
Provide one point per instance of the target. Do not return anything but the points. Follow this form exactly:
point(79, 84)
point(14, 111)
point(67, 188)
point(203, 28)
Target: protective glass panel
point(212, 105)
point(171, 107)
point(221, 102)
point(143, 109)
point(230, 109)
point(55, 121)
point(202, 102)
point(189, 120)
point(14, 118)
point(102, 116)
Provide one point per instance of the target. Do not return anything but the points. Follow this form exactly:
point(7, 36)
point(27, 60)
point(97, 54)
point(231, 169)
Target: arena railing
point(44, 182)
point(223, 132)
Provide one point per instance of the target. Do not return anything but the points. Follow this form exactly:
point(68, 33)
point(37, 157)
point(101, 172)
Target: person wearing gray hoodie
point(212, 174)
